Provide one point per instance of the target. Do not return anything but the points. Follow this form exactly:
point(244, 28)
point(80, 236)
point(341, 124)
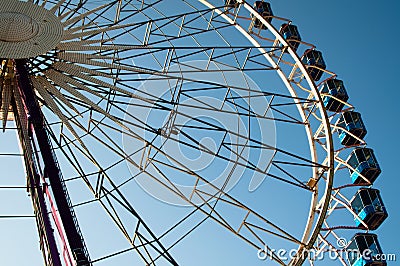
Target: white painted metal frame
point(312, 230)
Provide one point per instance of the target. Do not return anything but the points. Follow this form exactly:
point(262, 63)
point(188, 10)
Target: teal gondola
point(364, 249)
point(315, 62)
point(337, 95)
point(291, 35)
point(351, 125)
point(265, 10)
point(231, 3)
point(364, 163)
point(369, 207)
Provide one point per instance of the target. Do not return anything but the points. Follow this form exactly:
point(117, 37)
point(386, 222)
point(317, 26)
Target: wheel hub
point(16, 27)
point(27, 30)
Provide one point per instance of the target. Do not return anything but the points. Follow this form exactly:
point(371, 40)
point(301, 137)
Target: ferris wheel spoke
point(70, 148)
point(141, 226)
point(287, 177)
point(214, 214)
point(57, 6)
point(59, 79)
point(80, 73)
point(72, 151)
point(54, 107)
point(95, 32)
point(248, 219)
point(201, 105)
point(46, 85)
point(110, 209)
point(192, 98)
point(215, 190)
point(70, 22)
point(226, 145)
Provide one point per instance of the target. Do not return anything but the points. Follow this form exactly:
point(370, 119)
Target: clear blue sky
point(359, 41)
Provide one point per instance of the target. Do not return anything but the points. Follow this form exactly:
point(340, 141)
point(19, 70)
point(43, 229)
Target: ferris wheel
point(184, 132)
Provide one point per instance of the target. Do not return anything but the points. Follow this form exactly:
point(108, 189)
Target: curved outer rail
point(311, 232)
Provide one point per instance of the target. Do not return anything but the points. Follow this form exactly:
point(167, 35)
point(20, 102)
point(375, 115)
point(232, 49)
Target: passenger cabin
point(265, 10)
point(291, 35)
point(337, 95)
point(315, 62)
point(369, 207)
point(352, 125)
point(364, 163)
point(364, 249)
point(231, 3)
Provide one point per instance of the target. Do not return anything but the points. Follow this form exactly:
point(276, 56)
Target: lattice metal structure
point(185, 99)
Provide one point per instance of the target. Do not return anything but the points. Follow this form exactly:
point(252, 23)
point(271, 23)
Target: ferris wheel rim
point(315, 194)
point(326, 123)
point(313, 201)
